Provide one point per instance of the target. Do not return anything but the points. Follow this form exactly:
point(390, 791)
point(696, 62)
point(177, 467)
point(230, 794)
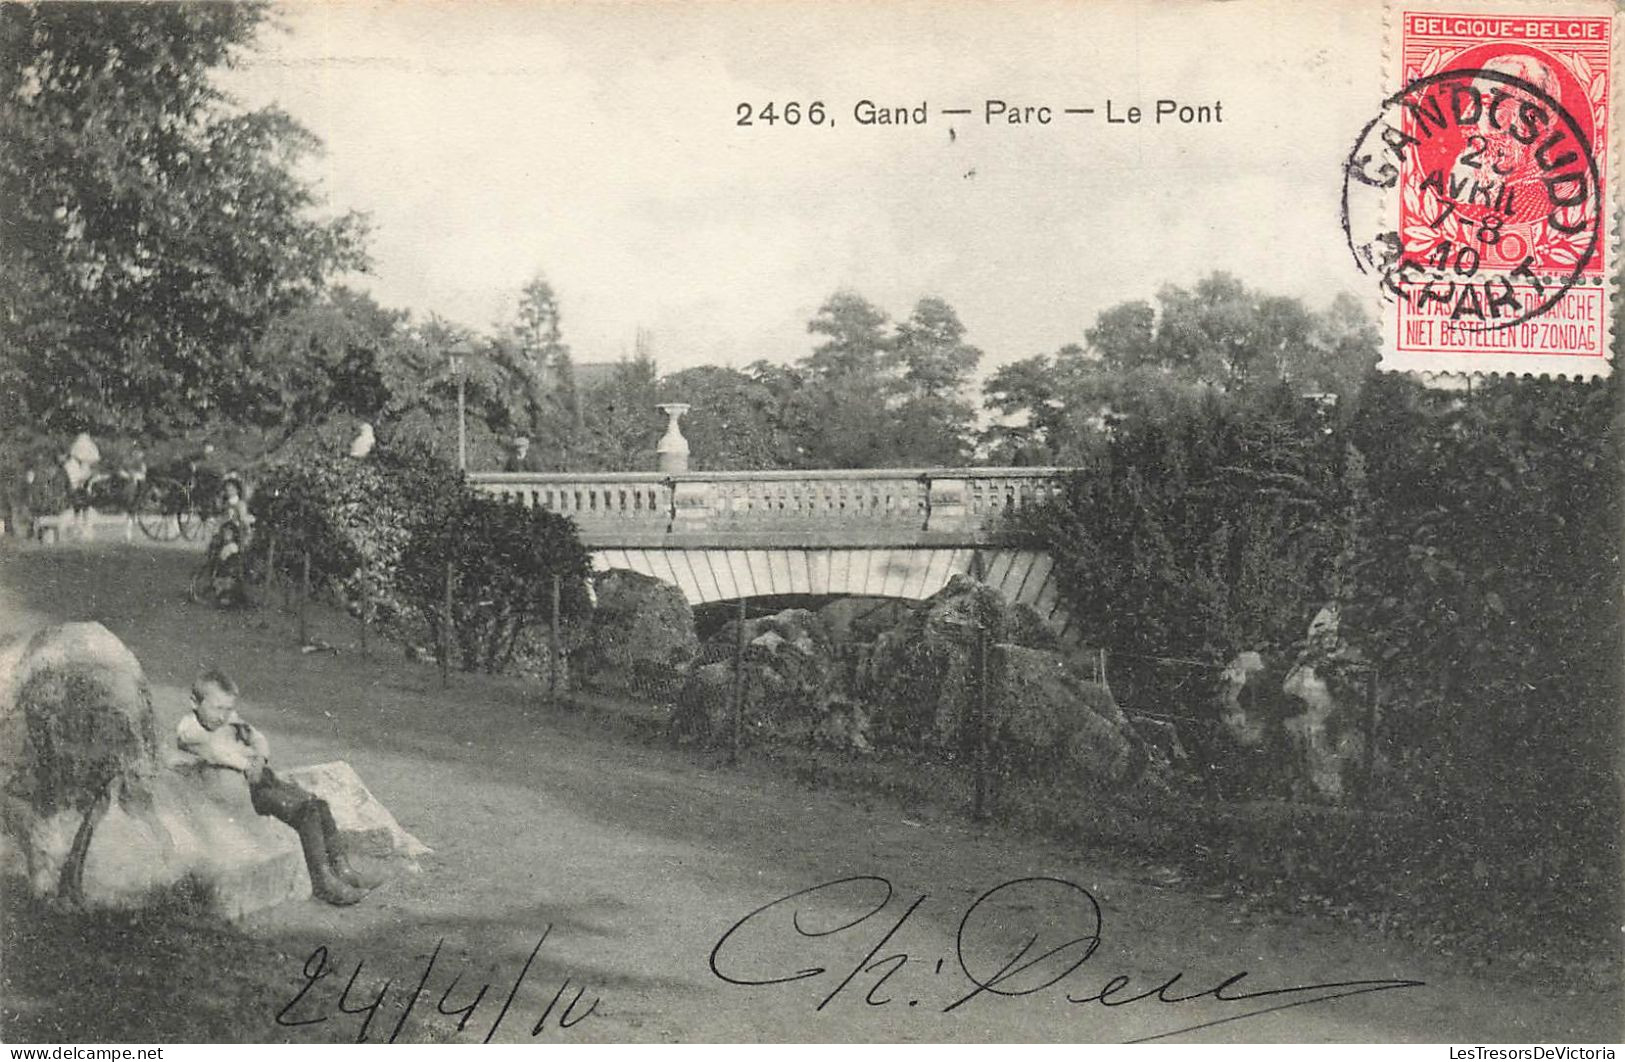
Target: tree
point(1341, 353)
point(151, 229)
point(620, 424)
point(855, 338)
point(840, 401)
point(1124, 337)
point(1218, 338)
point(327, 357)
point(550, 372)
point(736, 421)
point(932, 422)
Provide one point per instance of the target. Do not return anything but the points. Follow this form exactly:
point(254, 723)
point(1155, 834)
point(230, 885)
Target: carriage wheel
point(152, 515)
point(187, 518)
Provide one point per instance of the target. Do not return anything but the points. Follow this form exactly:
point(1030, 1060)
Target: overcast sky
point(597, 144)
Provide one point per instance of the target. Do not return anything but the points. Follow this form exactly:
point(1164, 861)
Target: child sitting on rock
point(217, 735)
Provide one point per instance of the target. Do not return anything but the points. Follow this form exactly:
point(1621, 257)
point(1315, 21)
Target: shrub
point(344, 513)
point(1489, 581)
point(355, 518)
point(502, 559)
point(1214, 530)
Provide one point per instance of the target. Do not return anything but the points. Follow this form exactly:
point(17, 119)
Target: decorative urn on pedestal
point(673, 448)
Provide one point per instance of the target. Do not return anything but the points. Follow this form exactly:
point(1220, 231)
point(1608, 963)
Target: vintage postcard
point(782, 522)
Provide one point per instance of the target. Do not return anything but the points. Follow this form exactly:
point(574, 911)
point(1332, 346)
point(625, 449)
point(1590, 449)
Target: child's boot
point(347, 871)
point(327, 885)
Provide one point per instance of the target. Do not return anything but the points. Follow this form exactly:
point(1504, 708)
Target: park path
point(634, 860)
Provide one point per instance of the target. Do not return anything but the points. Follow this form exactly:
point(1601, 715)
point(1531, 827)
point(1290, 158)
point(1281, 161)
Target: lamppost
point(459, 370)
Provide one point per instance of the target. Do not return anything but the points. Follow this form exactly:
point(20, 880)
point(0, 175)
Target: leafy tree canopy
point(855, 339)
point(152, 229)
point(1219, 338)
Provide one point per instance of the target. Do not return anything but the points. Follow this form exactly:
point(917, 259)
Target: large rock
point(705, 703)
point(1240, 719)
point(1326, 735)
point(793, 680)
point(1049, 719)
point(199, 828)
point(77, 732)
point(917, 676)
point(366, 827)
point(1325, 732)
point(641, 630)
point(74, 707)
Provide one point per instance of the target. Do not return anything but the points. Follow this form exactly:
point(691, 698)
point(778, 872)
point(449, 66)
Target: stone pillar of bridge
point(690, 499)
point(673, 448)
point(949, 504)
point(691, 505)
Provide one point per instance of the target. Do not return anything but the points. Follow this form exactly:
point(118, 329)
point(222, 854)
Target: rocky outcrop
point(1238, 713)
point(1048, 719)
point(793, 681)
point(641, 630)
point(917, 675)
point(86, 785)
point(91, 812)
point(366, 828)
point(198, 828)
point(861, 619)
point(1325, 732)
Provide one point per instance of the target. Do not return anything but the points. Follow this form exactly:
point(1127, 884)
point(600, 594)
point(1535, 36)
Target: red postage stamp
point(1489, 189)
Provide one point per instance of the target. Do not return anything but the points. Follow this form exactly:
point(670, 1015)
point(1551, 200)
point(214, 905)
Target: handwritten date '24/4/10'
point(991, 112)
point(1023, 937)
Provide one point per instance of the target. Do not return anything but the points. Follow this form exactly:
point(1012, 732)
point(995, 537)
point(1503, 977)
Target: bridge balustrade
point(830, 507)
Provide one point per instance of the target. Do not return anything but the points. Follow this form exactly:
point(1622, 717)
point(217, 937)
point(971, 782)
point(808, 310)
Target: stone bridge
point(722, 536)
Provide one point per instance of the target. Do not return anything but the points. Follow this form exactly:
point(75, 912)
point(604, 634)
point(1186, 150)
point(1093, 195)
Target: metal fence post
point(979, 721)
point(366, 611)
point(555, 644)
point(445, 634)
point(978, 706)
point(304, 598)
point(736, 720)
point(270, 564)
point(1372, 720)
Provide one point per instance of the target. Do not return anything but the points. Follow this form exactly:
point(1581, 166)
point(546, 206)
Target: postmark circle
point(1477, 189)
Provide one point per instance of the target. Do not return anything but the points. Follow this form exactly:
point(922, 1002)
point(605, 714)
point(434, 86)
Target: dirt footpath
point(602, 890)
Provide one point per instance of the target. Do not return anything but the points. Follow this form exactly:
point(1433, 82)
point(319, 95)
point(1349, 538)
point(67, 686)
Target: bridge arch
point(705, 576)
